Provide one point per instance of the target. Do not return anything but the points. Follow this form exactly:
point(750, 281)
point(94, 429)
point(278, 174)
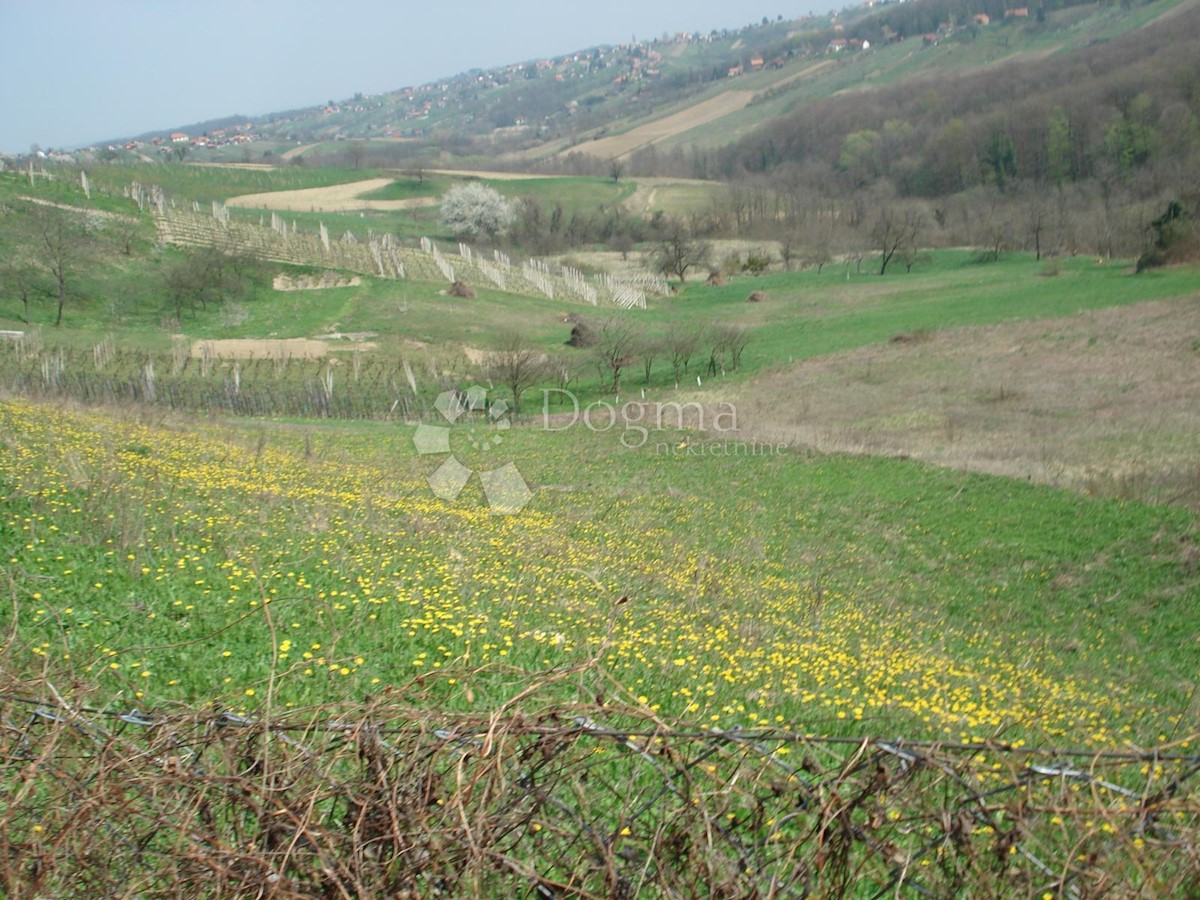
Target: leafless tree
point(621, 243)
point(517, 364)
point(1037, 213)
point(562, 370)
point(788, 249)
point(726, 342)
point(735, 338)
point(678, 250)
point(681, 343)
point(62, 245)
point(205, 276)
point(895, 229)
point(19, 276)
point(614, 349)
point(818, 255)
point(647, 350)
point(126, 234)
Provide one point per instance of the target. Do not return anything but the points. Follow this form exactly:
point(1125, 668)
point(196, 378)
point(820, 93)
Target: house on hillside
point(179, 137)
point(735, 71)
point(837, 45)
point(756, 63)
point(1017, 12)
point(982, 19)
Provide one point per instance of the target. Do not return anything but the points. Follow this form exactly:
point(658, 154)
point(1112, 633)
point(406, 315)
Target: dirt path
point(296, 151)
point(82, 210)
point(334, 198)
point(493, 176)
point(642, 200)
point(254, 167)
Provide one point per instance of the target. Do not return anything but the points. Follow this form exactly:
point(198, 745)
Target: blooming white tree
point(475, 210)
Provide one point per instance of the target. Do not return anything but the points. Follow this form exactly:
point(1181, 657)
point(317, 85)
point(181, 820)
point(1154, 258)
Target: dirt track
point(296, 151)
point(492, 176)
point(249, 166)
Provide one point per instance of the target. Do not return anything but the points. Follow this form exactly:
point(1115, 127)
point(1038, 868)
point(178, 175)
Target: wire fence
point(398, 797)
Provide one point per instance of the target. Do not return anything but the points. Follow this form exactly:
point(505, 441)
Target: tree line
point(1123, 105)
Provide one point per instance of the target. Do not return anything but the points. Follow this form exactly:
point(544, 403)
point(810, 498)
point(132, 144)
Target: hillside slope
point(673, 93)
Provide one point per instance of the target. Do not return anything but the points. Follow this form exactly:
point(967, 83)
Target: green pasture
point(293, 564)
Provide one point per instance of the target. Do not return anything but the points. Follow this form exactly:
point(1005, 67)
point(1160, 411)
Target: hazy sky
point(74, 72)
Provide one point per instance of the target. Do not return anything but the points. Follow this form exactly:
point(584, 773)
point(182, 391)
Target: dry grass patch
point(1103, 402)
point(289, 348)
point(327, 279)
point(710, 110)
point(333, 198)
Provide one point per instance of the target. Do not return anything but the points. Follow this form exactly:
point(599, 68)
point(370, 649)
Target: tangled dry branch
point(541, 798)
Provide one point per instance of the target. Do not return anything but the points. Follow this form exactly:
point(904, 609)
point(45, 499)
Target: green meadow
point(768, 584)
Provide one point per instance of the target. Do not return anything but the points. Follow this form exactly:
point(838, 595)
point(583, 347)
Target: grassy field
point(807, 314)
point(957, 506)
point(284, 563)
point(204, 183)
point(407, 188)
point(217, 627)
point(574, 194)
point(1102, 401)
point(263, 563)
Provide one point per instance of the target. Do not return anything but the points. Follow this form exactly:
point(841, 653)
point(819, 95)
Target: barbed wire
point(136, 716)
point(569, 799)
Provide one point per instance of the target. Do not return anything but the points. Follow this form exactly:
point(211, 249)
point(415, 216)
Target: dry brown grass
point(548, 796)
point(290, 348)
point(1104, 402)
point(333, 198)
point(327, 279)
point(619, 145)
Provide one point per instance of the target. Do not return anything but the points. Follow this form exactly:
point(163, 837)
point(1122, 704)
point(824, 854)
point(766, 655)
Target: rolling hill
point(686, 92)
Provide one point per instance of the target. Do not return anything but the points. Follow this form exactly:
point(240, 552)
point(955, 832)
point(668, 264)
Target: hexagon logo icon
point(504, 487)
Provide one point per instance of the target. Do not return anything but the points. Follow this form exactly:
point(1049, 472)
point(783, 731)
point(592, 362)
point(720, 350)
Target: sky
point(77, 72)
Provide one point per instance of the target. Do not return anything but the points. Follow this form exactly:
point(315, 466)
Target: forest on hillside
point(1072, 152)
